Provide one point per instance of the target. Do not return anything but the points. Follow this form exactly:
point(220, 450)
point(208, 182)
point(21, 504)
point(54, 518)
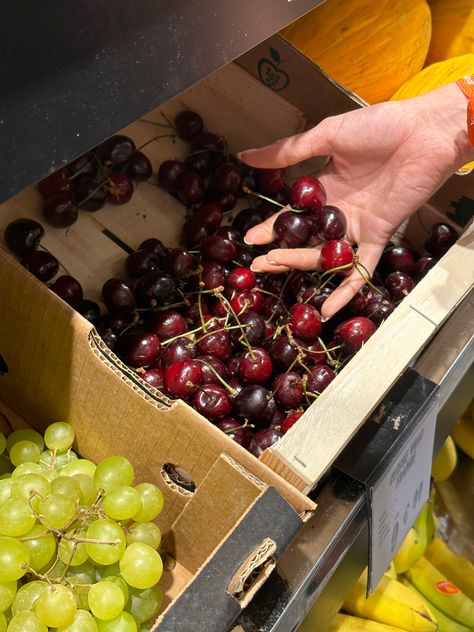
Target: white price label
point(400, 493)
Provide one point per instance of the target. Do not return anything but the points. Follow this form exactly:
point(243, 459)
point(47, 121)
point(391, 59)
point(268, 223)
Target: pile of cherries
point(248, 351)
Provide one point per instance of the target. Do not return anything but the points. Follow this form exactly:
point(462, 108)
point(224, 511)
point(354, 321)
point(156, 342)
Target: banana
point(390, 603)
point(463, 435)
point(346, 623)
point(391, 572)
point(445, 461)
point(445, 624)
point(442, 593)
point(456, 567)
point(431, 520)
point(414, 544)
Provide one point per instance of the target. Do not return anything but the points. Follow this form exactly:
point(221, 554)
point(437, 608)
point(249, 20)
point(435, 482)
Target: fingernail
point(244, 151)
point(254, 268)
point(324, 319)
point(246, 241)
point(271, 262)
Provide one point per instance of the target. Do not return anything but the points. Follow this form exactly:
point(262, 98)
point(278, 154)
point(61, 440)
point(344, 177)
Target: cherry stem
point(169, 126)
point(231, 309)
point(156, 138)
point(332, 271)
point(366, 276)
point(274, 296)
point(245, 189)
point(231, 390)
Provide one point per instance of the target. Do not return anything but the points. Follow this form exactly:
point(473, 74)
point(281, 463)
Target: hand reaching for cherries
point(386, 160)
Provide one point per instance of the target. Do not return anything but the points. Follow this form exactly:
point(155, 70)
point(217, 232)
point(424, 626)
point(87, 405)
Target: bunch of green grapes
point(78, 545)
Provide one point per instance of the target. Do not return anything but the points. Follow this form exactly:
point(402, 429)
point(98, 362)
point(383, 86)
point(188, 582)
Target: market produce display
point(452, 29)
point(248, 351)
point(78, 545)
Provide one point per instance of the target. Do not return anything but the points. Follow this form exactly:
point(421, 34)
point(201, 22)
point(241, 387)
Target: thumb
point(294, 149)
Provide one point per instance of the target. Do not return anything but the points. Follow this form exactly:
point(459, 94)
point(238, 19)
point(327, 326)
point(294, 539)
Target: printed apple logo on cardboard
point(270, 72)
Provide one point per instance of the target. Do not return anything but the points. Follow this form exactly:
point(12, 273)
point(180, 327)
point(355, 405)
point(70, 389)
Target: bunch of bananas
point(462, 436)
point(463, 432)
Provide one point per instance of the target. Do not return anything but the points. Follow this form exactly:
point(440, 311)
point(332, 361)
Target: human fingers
point(263, 233)
point(261, 264)
point(291, 150)
point(288, 258)
point(368, 255)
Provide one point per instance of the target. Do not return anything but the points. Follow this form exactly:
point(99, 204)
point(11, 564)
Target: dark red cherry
point(167, 324)
point(139, 349)
point(90, 310)
point(118, 150)
point(212, 275)
point(273, 308)
point(270, 181)
point(228, 233)
point(441, 238)
point(119, 187)
point(300, 281)
point(319, 378)
point(218, 248)
point(140, 263)
point(313, 352)
point(212, 401)
point(248, 299)
point(179, 262)
point(316, 297)
point(357, 304)
point(115, 322)
point(423, 266)
point(250, 217)
point(23, 236)
point(354, 332)
point(254, 327)
point(244, 257)
point(212, 367)
point(217, 344)
point(191, 189)
point(290, 421)
point(305, 321)
point(329, 223)
point(181, 378)
point(255, 366)
point(255, 403)
point(169, 173)
point(153, 377)
point(288, 389)
point(307, 192)
point(118, 296)
point(139, 167)
point(157, 287)
point(379, 310)
point(56, 183)
point(227, 178)
point(69, 289)
point(241, 279)
point(43, 265)
point(281, 352)
point(193, 232)
point(262, 440)
point(399, 285)
point(283, 195)
point(209, 213)
point(178, 351)
point(60, 211)
point(90, 194)
point(336, 253)
point(201, 162)
point(188, 125)
point(236, 431)
point(110, 338)
point(397, 258)
point(154, 246)
point(292, 229)
point(210, 141)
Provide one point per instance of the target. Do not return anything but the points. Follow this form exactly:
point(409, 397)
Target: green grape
point(5, 476)
point(88, 489)
point(123, 623)
point(81, 590)
point(108, 571)
point(152, 502)
point(57, 510)
point(145, 532)
point(26, 622)
point(56, 606)
point(59, 436)
point(80, 466)
point(5, 489)
point(67, 486)
point(70, 555)
point(106, 600)
point(141, 566)
point(30, 487)
point(42, 548)
point(7, 594)
point(122, 502)
point(16, 517)
point(108, 531)
point(85, 572)
point(5, 464)
point(24, 452)
point(48, 459)
point(3, 443)
point(27, 596)
point(83, 622)
point(14, 559)
point(25, 434)
point(144, 604)
point(27, 468)
point(113, 472)
point(3, 622)
point(121, 583)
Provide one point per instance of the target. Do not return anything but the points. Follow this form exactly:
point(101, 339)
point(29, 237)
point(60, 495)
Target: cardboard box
point(58, 368)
